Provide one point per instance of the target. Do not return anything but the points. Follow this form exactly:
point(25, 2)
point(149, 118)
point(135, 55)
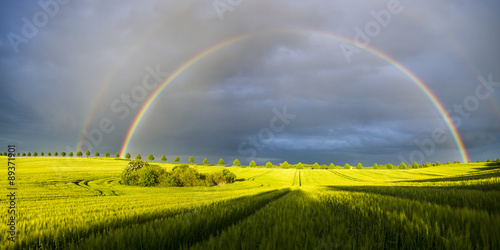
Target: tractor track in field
point(295, 177)
point(300, 179)
point(259, 175)
point(346, 176)
point(85, 184)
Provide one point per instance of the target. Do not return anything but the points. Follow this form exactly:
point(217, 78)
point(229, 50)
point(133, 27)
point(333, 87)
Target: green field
point(78, 203)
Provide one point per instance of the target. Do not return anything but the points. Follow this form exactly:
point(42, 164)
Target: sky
point(297, 81)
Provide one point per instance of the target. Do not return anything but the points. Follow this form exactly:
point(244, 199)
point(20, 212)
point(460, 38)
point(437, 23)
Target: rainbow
point(180, 10)
point(178, 71)
point(422, 86)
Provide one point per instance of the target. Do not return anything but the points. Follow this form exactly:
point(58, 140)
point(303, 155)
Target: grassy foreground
point(78, 203)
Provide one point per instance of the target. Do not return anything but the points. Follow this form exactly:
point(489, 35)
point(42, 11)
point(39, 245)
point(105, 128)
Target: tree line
point(252, 164)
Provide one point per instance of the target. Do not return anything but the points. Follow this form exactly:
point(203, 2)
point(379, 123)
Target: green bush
point(375, 166)
point(300, 165)
point(347, 166)
point(236, 163)
point(285, 165)
point(140, 173)
point(359, 166)
point(389, 166)
point(133, 166)
point(252, 164)
point(402, 165)
point(151, 176)
point(220, 178)
point(186, 176)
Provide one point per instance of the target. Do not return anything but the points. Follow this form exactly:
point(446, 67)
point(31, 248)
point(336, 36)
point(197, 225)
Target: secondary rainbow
point(181, 10)
point(422, 86)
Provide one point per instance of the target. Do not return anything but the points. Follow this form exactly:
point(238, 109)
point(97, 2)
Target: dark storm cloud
point(90, 55)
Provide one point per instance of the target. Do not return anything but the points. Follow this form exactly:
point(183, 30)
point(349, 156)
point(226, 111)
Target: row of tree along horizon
point(236, 162)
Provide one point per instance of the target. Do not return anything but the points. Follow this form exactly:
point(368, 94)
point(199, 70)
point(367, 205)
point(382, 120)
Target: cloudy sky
point(286, 82)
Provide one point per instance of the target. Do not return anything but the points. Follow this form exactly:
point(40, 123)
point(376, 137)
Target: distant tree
point(63, 154)
point(438, 163)
point(236, 163)
point(269, 164)
point(389, 166)
point(127, 156)
point(402, 165)
point(106, 154)
point(29, 154)
point(331, 166)
point(23, 154)
point(488, 160)
point(359, 166)
point(163, 158)
point(414, 165)
point(457, 162)
point(300, 165)
point(285, 165)
point(18, 154)
point(41, 153)
point(70, 154)
point(205, 161)
point(96, 154)
point(87, 153)
point(117, 155)
point(56, 154)
point(191, 159)
point(347, 166)
point(4, 154)
point(177, 159)
point(35, 154)
point(79, 153)
point(375, 166)
point(252, 164)
point(315, 165)
point(49, 154)
point(138, 157)
point(498, 160)
point(221, 161)
point(151, 157)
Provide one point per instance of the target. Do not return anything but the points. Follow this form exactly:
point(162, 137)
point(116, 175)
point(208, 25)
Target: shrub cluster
point(141, 173)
